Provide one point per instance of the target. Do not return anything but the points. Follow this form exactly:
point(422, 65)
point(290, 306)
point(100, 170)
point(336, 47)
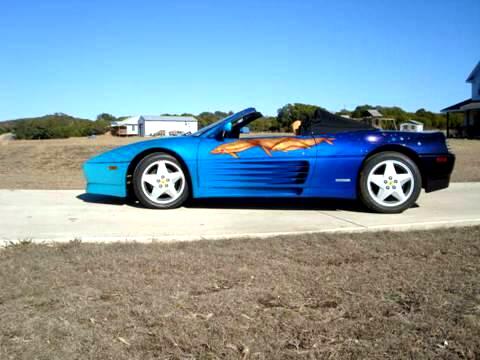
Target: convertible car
point(328, 157)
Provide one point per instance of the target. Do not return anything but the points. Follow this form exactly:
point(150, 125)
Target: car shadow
point(104, 199)
point(277, 204)
point(239, 203)
point(316, 204)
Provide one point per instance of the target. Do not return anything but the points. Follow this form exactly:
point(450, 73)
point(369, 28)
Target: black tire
point(138, 188)
point(370, 202)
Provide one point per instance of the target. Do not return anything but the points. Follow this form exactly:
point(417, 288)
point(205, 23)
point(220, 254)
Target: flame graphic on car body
point(269, 145)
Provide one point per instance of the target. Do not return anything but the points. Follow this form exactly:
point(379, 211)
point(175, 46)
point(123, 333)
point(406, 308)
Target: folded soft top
point(324, 122)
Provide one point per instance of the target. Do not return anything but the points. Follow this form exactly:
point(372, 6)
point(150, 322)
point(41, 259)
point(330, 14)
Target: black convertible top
point(324, 122)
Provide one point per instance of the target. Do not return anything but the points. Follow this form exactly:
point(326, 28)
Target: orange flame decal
point(269, 145)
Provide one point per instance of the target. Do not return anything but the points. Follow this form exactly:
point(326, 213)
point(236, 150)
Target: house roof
point(474, 73)
point(128, 121)
point(413, 122)
point(135, 119)
point(374, 113)
point(462, 106)
point(168, 118)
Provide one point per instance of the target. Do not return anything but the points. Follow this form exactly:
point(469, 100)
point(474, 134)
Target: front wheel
point(159, 182)
point(390, 182)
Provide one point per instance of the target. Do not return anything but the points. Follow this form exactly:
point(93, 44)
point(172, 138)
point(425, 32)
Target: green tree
point(264, 124)
point(291, 112)
point(56, 126)
point(206, 118)
point(106, 117)
point(344, 112)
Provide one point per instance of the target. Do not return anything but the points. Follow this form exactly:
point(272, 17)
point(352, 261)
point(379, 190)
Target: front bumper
point(106, 178)
point(436, 171)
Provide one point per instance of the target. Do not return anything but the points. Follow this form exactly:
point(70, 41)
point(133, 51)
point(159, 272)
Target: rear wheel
point(159, 182)
point(390, 182)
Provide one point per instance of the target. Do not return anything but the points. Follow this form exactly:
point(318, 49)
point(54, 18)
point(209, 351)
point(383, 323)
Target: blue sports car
point(327, 157)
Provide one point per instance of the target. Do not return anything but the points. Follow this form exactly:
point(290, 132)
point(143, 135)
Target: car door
point(338, 160)
point(255, 166)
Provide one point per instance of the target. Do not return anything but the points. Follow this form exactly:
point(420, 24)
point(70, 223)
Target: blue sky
point(84, 57)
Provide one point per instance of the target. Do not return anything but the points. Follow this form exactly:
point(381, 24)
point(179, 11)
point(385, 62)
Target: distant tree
point(205, 118)
point(123, 117)
point(361, 110)
point(264, 124)
point(56, 126)
point(430, 119)
point(106, 117)
point(456, 120)
point(101, 125)
point(344, 112)
point(291, 112)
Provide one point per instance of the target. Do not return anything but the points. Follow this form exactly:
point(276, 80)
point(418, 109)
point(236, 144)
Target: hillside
point(56, 126)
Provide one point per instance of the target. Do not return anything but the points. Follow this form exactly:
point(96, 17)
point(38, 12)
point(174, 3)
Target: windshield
point(231, 118)
point(208, 127)
point(212, 125)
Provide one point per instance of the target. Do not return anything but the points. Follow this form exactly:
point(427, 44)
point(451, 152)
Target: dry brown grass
point(56, 164)
point(51, 164)
point(467, 167)
point(374, 296)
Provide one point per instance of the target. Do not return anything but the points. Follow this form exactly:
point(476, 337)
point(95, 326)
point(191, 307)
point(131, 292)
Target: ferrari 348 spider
point(329, 157)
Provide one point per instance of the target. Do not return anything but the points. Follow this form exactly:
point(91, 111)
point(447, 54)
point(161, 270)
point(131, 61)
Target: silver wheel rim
point(390, 183)
point(163, 182)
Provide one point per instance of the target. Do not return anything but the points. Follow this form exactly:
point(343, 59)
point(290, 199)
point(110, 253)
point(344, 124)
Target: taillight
point(441, 159)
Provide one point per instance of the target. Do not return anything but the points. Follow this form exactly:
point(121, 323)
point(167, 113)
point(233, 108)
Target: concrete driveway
point(64, 215)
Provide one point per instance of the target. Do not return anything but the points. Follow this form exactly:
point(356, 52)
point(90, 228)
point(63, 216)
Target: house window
point(133, 127)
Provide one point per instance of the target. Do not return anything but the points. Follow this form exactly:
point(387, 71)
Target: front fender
point(106, 174)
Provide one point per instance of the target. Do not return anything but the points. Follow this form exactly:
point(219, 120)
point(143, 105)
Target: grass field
point(373, 296)
point(56, 164)
point(51, 164)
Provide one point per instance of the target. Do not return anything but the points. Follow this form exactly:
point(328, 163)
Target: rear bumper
point(436, 171)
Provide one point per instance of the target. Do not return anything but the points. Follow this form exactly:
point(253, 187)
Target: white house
point(127, 127)
point(146, 125)
point(412, 126)
point(474, 79)
point(166, 125)
point(470, 107)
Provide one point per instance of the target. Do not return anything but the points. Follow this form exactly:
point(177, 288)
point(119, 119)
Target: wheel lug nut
point(394, 187)
point(385, 181)
point(390, 178)
point(388, 187)
point(396, 181)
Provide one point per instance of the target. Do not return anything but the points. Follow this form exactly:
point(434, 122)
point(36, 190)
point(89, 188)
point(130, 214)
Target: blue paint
point(307, 172)
point(102, 180)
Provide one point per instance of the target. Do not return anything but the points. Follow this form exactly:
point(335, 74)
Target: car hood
point(127, 152)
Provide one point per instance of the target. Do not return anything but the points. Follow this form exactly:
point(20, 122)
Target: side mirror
point(245, 130)
point(227, 127)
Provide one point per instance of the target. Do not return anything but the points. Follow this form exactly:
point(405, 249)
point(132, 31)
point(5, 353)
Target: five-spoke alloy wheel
point(159, 181)
point(390, 182)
